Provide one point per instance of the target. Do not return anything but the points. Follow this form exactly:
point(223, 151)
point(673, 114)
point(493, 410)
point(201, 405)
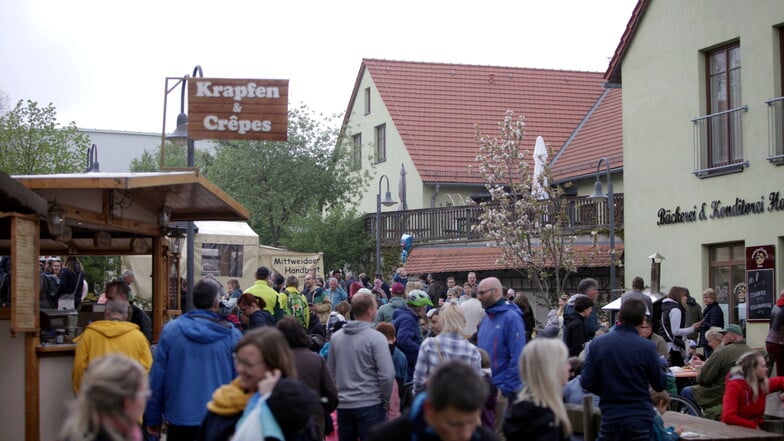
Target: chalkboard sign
point(760, 282)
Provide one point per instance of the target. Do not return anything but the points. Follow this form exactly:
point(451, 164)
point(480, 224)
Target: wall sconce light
point(175, 241)
point(55, 219)
point(102, 240)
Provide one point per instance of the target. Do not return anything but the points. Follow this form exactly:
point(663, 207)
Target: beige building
point(702, 136)
point(423, 118)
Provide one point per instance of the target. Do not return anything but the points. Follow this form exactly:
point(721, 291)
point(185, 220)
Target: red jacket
point(737, 406)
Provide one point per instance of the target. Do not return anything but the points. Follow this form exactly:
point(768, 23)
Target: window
point(367, 101)
point(221, 259)
point(356, 153)
point(381, 143)
point(728, 279)
point(776, 114)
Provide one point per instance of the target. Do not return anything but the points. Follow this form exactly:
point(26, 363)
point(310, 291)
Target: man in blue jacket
point(502, 335)
point(619, 367)
point(193, 359)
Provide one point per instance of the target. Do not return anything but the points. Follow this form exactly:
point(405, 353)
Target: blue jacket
point(192, 360)
point(337, 296)
point(502, 335)
point(409, 337)
point(619, 368)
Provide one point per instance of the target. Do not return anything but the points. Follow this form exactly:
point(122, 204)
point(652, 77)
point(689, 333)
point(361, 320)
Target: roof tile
point(438, 107)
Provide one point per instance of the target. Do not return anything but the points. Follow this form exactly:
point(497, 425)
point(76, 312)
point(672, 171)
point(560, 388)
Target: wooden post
point(160, 280)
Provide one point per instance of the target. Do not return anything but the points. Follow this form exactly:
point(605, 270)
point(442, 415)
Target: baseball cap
point(397, 288)
point(735, 329)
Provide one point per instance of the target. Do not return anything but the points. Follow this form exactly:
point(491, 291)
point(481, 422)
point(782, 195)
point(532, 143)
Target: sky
point(103, 64)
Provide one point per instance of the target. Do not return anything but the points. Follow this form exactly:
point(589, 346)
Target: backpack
point(48, 290)
point(298, 306)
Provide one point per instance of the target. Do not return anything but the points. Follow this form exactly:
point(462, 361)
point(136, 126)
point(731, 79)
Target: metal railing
point(449, 224)
point(718, 142)
point(776, 130)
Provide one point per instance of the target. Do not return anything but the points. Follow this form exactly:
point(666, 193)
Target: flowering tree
point(525, 217)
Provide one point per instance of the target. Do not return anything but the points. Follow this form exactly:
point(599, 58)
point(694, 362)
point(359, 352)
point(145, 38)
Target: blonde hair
point(712, 333)
point(452, 318)
point(709, 293)
point(410, 286)
point(542, 366)
point(108, 382)
point(746, 365)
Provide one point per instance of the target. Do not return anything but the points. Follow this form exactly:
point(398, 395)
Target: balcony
point(453, 224)
point(718, 143)
point(776, 130)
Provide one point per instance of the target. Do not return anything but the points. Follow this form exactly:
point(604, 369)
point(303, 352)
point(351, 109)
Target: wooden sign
point(760, 282)
point(24, 274)
point(220, 108)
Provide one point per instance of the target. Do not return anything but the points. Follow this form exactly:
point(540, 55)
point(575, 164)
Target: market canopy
point(129, 207)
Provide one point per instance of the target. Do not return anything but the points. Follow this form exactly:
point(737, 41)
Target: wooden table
point(686, 373)
point(706, 430)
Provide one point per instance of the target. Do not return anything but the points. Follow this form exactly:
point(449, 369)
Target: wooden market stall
point(103, 214)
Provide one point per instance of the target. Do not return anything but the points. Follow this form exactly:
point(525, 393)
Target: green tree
point(340, 234)
point(31, 142)
point(175, 157)
point(281, 182)
point(99, 270)
point(530, 227)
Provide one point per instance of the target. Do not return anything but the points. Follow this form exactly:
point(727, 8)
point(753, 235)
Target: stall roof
point(128, 206)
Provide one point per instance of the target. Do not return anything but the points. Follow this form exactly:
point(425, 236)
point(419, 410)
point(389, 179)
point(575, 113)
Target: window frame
point(380, 153)
point(367, 100)
point(356, 153)
point(713, 107)
point(735, 259)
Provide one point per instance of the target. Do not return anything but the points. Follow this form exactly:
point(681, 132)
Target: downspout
point(435, 195)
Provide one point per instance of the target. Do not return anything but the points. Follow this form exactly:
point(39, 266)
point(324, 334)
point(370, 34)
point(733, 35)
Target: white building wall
point(663, 89)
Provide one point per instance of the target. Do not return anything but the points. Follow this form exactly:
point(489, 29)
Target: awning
point(480, 257)
point(129, 206)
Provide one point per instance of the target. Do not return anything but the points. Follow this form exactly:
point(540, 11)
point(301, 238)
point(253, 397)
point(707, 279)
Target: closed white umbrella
point(540, 159)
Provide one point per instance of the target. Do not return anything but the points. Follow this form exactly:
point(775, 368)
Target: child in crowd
point(661, 401)
point(488, 414)
point(401, 368)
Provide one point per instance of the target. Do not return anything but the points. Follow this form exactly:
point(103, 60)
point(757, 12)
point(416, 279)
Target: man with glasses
point(192, 360)
point(502, 335)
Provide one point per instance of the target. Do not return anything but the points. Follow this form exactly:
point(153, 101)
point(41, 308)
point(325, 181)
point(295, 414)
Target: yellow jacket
point(262, 290)
point(104, 337)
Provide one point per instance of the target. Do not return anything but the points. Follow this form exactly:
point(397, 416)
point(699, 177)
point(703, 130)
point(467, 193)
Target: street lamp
point(180, 137)
point(656, 260)
point(387, 202)
point(598, 193)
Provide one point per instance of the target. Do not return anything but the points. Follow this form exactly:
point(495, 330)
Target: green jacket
point(710, 388)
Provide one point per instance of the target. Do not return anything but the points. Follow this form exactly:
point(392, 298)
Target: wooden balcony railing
point(455, 223)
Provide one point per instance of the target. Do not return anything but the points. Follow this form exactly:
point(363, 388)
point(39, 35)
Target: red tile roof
point(436, 108)
point(600, 135)
point(473, 257)
point(613, 73)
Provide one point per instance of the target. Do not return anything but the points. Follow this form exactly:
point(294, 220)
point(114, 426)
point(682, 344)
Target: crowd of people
point(359, 359)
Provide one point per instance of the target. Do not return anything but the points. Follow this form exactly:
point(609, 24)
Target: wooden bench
point(585, 419)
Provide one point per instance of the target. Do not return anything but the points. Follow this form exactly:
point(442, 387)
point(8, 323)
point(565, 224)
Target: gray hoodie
point(361, 366)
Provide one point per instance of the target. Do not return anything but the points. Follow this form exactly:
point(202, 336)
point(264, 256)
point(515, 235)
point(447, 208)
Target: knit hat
point(397, 288)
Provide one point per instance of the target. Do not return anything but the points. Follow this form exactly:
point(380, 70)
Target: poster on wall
point(760, 282)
